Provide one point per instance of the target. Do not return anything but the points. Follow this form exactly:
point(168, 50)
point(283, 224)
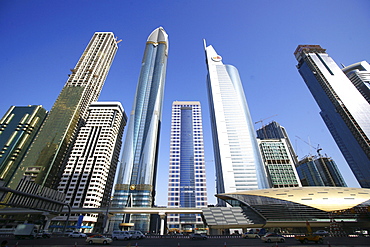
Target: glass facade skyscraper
point(344, 109)
point(319, 171)
point(44, 160)
point(238, 161)
point(359, 74)
point(279, 163)
point(18, 128)
point(274, 130)
point(278, 155)
point(137, 175)
point(187, 173)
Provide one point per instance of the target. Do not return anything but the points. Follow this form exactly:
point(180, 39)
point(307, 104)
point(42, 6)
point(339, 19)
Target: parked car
point(98, 239)
point(250, 235)
point(272, 237)
point(136, 234)
point(121, 235)
point(321, 233)
point(77, 235)
point(198, 236)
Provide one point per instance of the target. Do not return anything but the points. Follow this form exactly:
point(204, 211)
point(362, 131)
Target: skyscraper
point(344, 109)
point(238, 160)
point(278, 155)
point(319, 171)
point(88, 177)
point(187, 173)
point(137, 176)
point(18, 128)
point(274, 130)
point(47, 154)
point(279, 163)
point(359, 74)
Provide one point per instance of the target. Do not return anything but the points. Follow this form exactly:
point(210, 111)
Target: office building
point(238, 161)
point(359, 74)
point(18, 127)
point(274, 130)
point(187, 173)
point(88, 177)
point(319, 171)
point(47, 155)
point(279, 163)
point(136, 180)
point(344, 109)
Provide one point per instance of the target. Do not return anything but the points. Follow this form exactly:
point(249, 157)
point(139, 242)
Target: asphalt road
point(185, 242)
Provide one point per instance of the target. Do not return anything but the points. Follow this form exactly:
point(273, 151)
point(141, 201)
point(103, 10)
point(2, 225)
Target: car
point(121, 235)
point(272, 237)
point(198, 236)
point(321, 233)
point(77, 235)
point(136, 234)
point(98, 239)
point(250, 235)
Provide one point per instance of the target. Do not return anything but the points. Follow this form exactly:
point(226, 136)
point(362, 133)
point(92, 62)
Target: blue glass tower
point(135, 185)
point(344, 109)
point(238, 160)
point(187, 174)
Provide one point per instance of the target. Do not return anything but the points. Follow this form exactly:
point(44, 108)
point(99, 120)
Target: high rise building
point(279, 163)
point(44, 160)
point(238, 161)
point(278, 156)
point(359, 74)
point(136, 180)
point(319, 171)
point(88, 177)
point(18, 128)
point(344, 109)
point(187, 173)
point(274, 130)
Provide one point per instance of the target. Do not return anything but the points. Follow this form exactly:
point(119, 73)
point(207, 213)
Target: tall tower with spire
point(238, 160)
point(136, 180)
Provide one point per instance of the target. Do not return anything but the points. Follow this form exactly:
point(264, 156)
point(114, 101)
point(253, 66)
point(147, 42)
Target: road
point(185, 242)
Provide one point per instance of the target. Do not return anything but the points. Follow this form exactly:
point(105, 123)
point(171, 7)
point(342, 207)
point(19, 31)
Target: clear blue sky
point(41, 40)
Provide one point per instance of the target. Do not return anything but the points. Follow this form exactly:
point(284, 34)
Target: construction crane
point(318, 149)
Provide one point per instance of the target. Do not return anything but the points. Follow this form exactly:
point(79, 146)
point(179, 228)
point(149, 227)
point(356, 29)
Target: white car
point(272, 237)
point(136, 234)
point(98, 239)
point(77, 235)
point(121, 235)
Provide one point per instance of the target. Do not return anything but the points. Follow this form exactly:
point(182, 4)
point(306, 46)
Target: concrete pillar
point(163, 216)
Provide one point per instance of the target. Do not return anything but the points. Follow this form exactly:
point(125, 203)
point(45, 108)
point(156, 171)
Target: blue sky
point(41, 40)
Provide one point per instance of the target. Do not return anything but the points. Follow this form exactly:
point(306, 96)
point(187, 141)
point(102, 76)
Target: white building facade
point(88, 177)
point(238, 161)
point(187, 173)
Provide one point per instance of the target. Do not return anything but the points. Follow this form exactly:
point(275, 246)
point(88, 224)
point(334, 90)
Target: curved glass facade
point(317, 204)
point(136, 179)
point(237, 157)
